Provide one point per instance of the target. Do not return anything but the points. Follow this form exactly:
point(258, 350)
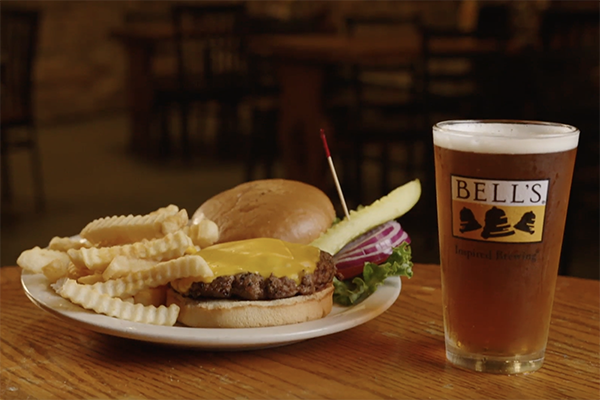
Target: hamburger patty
point(252, 286)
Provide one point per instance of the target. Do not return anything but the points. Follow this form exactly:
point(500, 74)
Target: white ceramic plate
point(341, 318)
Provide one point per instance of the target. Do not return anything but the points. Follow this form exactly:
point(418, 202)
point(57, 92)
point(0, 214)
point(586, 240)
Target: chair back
point(570, 29)
point(452, 74)
point(382, 26)
point(19, 30)
point(145, 17)
point(493, 21)
point(568, 66)
point(386, 85)
point(381, 115)
point(567, 89)
point(462, 80)
point(210, 41)
point(459, 74)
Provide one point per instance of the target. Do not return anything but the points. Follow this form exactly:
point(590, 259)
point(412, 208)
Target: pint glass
point(502, 194)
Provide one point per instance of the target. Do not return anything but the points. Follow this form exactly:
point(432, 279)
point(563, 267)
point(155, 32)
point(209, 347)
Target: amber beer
point(502, 194)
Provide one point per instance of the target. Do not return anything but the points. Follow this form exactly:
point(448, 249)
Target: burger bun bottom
point(226, 313)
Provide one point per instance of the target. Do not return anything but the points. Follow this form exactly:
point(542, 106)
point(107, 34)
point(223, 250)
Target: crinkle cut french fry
point(171, 209)
point(121, 266)
point(175, 222)
point(205, 233)
point(55, 270)
point(66, 243)
point(77, 271)
point(90, 299)
point(161, 274)
point(90, 279)
point(35, 259)
point(152, 296)
point(171, 246)
point(122, 229)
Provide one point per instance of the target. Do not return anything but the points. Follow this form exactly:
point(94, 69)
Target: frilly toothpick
point(335, 177)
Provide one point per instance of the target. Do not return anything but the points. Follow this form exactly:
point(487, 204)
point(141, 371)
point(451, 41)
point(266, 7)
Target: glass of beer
point(502, 194)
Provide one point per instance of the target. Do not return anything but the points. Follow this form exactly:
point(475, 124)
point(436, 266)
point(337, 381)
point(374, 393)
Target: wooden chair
point(384, 109)
point(567, 68)
point(466, 83)
point(19, 42)
point(454, 80)
point(211, 67)
point(567, 89)
point(261, 146)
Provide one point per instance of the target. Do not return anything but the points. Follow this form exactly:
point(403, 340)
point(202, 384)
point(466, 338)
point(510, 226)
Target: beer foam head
point(505, 137)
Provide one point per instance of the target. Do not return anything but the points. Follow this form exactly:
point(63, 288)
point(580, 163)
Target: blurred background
point(122, 107)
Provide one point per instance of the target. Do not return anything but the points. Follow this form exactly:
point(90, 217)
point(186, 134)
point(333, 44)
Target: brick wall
point(81, 70)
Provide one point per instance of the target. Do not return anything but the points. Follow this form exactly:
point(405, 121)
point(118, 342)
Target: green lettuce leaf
point(354, 291)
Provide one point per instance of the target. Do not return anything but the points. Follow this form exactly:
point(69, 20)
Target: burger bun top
point(289, 210)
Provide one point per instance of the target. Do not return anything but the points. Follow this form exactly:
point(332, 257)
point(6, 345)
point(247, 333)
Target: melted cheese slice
point(262, 256)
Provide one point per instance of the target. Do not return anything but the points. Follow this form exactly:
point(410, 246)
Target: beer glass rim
point(453, 127)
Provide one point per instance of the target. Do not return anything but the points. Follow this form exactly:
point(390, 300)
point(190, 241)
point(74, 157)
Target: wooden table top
point(400, 354)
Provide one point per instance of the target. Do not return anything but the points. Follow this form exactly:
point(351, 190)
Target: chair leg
point(227, 133)
point(261, 143)
point(253, 146)
point(566, 255)
point(185, 138)
point(385, 168)
point(234, 130)
point(36, 166)
point(358, 172)
point(429, 206)
point(6, 184)
point(271, 146)
point(269, 164)
point(410, 167)
point(164, 144)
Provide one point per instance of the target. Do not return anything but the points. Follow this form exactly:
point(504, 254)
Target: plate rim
point(37, 289)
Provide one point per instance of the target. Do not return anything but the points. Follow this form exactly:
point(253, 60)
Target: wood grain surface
point(400, 354)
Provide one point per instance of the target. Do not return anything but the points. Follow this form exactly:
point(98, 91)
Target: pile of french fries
point(121, 265)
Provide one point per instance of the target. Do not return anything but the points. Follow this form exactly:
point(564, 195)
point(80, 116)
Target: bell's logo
point(498, 210)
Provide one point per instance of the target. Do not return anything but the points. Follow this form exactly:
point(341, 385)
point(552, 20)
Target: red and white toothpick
point(335, 178)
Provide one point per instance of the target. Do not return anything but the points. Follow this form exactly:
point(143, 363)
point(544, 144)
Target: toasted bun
point(274, 208)
point(251, 313)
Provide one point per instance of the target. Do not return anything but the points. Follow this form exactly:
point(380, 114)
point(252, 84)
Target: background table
point(301, 62)
point(400, 354)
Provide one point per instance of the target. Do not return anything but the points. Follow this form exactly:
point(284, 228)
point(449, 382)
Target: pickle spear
point(395, 204)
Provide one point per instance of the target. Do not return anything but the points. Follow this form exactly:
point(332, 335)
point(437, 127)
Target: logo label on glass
point(492, 210)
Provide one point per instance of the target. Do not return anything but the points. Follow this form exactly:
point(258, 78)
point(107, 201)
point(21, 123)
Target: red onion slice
point(374, 246)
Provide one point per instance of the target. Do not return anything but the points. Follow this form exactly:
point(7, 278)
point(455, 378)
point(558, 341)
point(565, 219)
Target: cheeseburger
point(265, 271)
